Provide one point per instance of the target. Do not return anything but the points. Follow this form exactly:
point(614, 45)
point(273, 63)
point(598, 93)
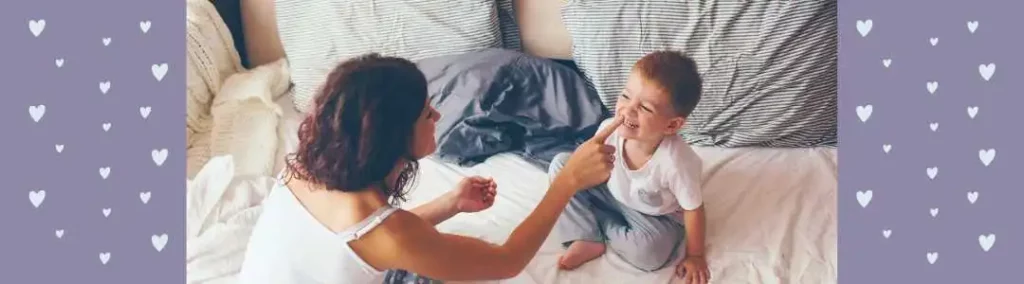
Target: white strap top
point(288, 245)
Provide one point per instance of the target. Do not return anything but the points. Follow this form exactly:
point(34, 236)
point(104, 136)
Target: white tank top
point(289, 246)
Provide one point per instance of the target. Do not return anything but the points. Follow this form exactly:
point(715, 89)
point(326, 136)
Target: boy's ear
point(675, 124)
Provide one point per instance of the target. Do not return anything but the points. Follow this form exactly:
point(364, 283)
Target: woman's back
point(288, 245)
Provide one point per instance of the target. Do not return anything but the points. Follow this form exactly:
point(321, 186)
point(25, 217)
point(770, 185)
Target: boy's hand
point(693, 270)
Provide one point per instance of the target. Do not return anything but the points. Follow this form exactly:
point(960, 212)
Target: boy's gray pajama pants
point(647, 242)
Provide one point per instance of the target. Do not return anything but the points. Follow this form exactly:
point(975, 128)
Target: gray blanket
point(494, 101)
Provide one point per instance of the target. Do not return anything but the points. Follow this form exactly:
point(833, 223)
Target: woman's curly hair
point(363, 127)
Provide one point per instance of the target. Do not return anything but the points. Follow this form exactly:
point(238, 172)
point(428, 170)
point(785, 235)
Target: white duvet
point(771, 215)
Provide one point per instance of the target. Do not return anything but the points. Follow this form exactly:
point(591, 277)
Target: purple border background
point(76, 194)
point(902, 109)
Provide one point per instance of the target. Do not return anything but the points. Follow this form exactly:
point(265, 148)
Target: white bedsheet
point(771, 217)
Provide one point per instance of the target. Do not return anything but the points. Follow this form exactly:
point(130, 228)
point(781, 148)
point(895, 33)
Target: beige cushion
point(259, 25)
point(211, 58)
point(541, 29)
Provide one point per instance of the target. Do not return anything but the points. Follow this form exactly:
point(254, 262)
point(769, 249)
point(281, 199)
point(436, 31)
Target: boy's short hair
point(676, 74)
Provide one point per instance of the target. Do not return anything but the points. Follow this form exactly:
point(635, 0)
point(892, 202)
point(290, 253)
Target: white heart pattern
point(144, 196)
point(986, 241)
point(972, 197)
point(37, 197)
point(104, 257)
point(59, 62)
point(105, 172)
point(106, 41)
point(159, 241)
point(159, 156)
point(934, 126)
point(159, 70)
point(36, 27)
point(144, 111)
point(886, 62)
point(106, 126)
point(986, 156)
point(864, 198)
point(887, 233)
point(972, 26)
point(864, 27)
point(59, 233)
point(932, 257)
point(104, 87)
point(932, 86)
point(987, 70)
point(934, 41)
point(145, 25)
point(37, 112)
point(59, 148)
point(886, 148)
point(864, 112)
point(932, 172)
point(106, 212)
point(972, 111)
point(934, 211)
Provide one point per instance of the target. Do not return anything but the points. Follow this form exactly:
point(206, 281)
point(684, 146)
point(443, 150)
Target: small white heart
point(932, 86)
point(59, 233)
point(159, 70)
point(144, 111)
point(144, 196)
point(864, 27)
point(886, 62)
point(986, 156)
point(106, 126)
point(932, 257)
point(886, 148)
point(145, 25)
point(932, 172)
point(972, 197)
point(934, 126)
point(972, 26)
point(159, 156)
point(106, 41)
point(104, 172)
point(987, 70)
point(159, 241)
point(36, 27)
point(886, 233)
point(37, 197)
point(59, 62)
point(104, 87)
point(36, 112)
point(934, 211)
point(864, 198)
point(972, 111)
point(864, 112)
point(59, 148)
point(986, 241)
point(934, 41)
point(104, 257)
point(106, 212)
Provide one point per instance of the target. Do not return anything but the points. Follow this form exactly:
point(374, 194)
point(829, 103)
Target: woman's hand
point(591, 163)
point(474, 194)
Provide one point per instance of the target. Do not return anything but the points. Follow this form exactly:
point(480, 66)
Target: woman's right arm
point(422, 249)
point(448, 257)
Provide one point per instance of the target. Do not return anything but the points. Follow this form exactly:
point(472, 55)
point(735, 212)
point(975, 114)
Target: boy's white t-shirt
point(670, 181)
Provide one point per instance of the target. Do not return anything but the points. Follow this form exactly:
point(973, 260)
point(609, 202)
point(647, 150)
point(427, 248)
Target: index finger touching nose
point(607, 131)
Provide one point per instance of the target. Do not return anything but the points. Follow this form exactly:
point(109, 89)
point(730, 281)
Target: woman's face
point(424, 143)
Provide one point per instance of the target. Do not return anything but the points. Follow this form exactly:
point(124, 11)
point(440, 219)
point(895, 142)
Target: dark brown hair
point(363, 127)
point(675, 74)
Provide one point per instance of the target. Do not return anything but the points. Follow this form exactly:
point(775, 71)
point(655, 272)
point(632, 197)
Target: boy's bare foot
point(578, 253)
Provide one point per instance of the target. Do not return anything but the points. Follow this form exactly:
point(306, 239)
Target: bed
point(770, 199)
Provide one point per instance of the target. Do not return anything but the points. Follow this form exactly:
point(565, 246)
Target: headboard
point(540, 28)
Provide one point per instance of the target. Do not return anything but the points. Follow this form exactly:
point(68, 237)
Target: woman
point(332, 218)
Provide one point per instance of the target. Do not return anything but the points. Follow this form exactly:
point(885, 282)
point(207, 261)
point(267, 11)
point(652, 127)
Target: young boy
point(656, 176)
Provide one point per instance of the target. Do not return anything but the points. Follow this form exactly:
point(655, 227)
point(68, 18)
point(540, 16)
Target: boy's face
point(647, 110)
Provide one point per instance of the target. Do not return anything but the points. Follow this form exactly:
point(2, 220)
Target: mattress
point(771, 214)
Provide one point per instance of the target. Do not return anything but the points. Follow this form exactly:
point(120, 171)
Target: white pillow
point(317, 35)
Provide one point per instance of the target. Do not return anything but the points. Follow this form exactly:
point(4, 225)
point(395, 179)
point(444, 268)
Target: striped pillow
point(509, 26)
point(317, 35)
point(769, 67)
